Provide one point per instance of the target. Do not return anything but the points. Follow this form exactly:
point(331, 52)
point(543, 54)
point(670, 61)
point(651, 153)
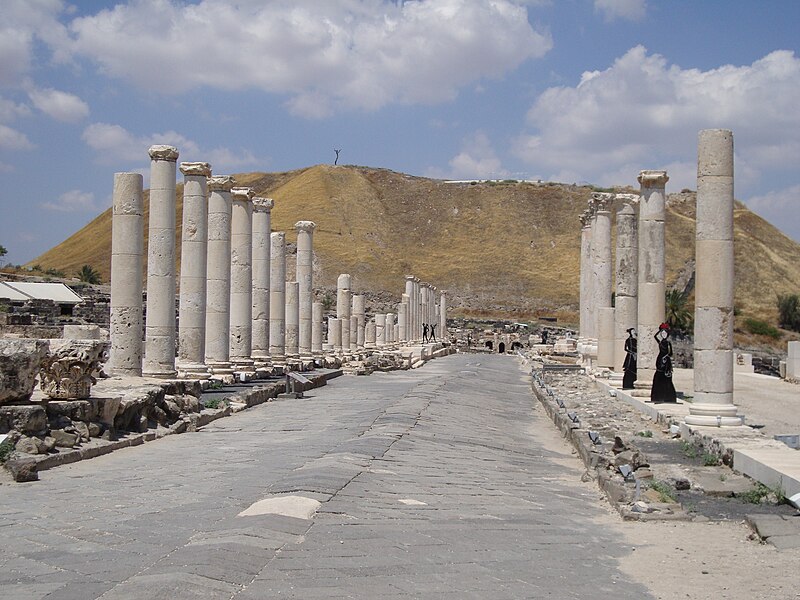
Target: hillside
point(497, 247)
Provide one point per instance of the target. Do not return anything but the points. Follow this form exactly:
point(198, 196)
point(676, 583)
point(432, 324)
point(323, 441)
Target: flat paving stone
point(432, 485)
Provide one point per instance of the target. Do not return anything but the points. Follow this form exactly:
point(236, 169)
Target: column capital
point(220, 183)
point(162, 152)
point(653, 178)
point(601, 200)
point(307, 226)
point(409, 278)
point(585, 218)
point(202, 169)
point(243, 194)
point(263, 205)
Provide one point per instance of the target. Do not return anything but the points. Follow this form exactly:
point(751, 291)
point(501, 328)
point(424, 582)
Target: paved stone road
point(432, 483)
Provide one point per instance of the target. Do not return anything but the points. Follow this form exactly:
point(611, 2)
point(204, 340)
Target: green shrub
point(6, 448)
point(789, 311)
point(665, 490)
point(758, 327)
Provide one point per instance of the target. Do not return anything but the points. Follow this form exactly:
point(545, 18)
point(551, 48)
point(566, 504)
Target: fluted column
point(603, 266)
point(360, 312)
point(194, 249)
point(127, 256)
point(343, 308)
point(652, 207)
point(159, 351)
point(713, 317)
point(218, 275)
point(262, 216)
point(627, 276)
point(242, 279)
point(305, 281)
point(277, 299)
point(585, 313)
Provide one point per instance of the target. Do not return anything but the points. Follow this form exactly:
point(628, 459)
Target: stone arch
point(489, 344)
point(501, 347)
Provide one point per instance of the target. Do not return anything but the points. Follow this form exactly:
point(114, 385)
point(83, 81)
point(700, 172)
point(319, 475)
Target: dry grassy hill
point(497, 247)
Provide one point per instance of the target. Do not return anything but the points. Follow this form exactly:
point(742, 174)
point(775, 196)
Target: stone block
point(29, 419)
point(19, 366)
point(713, 328)
point(22, 468)
point(715, 153)
point(715, 208)
point(714, 274)
point(713, 372)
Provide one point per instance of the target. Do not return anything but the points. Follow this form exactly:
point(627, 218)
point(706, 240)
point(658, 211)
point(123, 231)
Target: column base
point(219, 368)
point(159, 374)
point(714, 415)
point(641, 389)
point(193, 371)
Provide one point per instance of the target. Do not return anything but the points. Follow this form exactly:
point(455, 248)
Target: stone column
point(603, 267)
point(360, 312)
point(159, 350)
point(317, 316)
point(423, 304)
point(194, 249)
point(585, 279)
point(409, 298)
point(277, 298)
point(335, 333)
point(127, 255)
point(218, 284)
point(353, 333)
point(402, 320)
point(389, 329)
point(242, 279)
point(343, 309)
point(652, 206)
point(292, 319)
point(417, 310)
point(370, 335)
point(713, 316)
point(627, 276)
point(305, 281)
point(380, 330)
point(443, 315)
point(262, 216)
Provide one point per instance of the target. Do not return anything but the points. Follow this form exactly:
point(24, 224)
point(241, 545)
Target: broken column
point(409, 298)
point(389, 329)
point(317, 316)
point(218, 276)
point(652, 206)
point(159, 351)
point(277, 298)
point(194, 248)
point(292, 320)
point(242, 279)
point(305, 281)
point(370, 335)
point(343, 309)
point(443, 316)
point(380, 330)
point(714, 283)
point(627, 277)
point(335, 334)
point(262, 216)
point(359, 311)
point(127, 251)
point(353, 333)
point(402, 320)
point(603, 265)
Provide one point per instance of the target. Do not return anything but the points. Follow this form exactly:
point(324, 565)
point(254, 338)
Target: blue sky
point(564, 90)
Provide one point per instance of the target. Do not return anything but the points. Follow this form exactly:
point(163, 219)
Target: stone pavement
point(431, 482)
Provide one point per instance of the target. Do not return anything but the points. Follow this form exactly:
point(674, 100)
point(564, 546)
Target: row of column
point(640, 280)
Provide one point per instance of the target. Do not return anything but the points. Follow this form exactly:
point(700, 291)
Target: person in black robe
point(432, 336)
point(663, 390)
point(629, 366)
point(424, 333)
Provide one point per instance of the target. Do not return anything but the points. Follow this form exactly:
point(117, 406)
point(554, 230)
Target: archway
point(501, 347)
point(489, 345)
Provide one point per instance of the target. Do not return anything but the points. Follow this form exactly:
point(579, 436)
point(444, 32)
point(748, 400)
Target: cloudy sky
point(563, 90)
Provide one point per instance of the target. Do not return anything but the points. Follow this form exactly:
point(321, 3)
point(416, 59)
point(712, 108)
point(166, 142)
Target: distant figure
point(432, 336)
point(629, 366)
point(545, 333)
point(663, 390)
point(424, 332)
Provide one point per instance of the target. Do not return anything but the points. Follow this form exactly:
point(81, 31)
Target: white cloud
point(73, 201)
point(59, 105)
point(11, 139)
point(632, 10)
point(777, 205)
point(477, 160)
point(643, 113)
point(10, 110)
point(116, 145)
point(325, 56)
